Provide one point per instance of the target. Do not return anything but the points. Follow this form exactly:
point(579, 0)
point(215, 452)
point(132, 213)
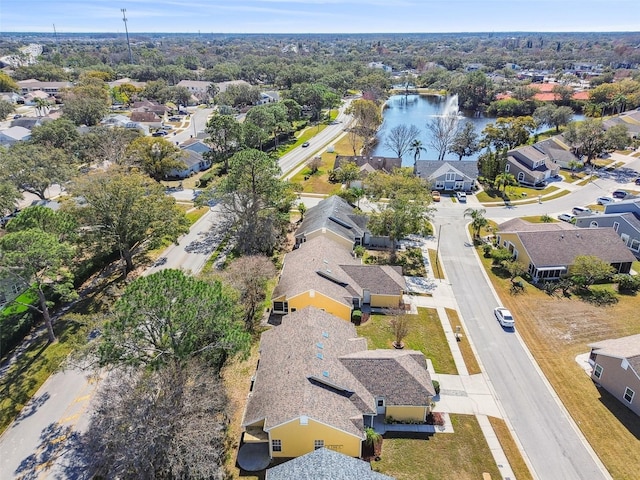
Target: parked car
point(305, 144)
point(175, 119)
point(167, 127)
point(159, 133)
point(461, 196)
point(604, 200)
point(581, 211)
point(504, 317)
point(620, 194)
point(435, 195)
point(637, 182)
point(566, 217)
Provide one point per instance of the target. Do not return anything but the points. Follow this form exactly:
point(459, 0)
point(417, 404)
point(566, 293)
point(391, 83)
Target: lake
point(417, 110)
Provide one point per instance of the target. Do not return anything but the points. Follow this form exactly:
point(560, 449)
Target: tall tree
point(8, 84)
point(155, 156)
point(169, 317)
point(87, 103)
point(503, 180)
point(60, 133)
point(34, 168)
point(465, 142)
point(9, 196)
point(442, 130)
point(588, 269)
point(416, 148)
point(128, 211)
point(255, 200)
point(475, 90)
point(38, 260)
point(6, 109)
point(249, 276)
point(225, 137)
point(590, 139)
point(105, 145)
point(59, 223)
point(508, 132)
point(347, 173)
point(553, 116)
point(368, 117)
point(400, 138)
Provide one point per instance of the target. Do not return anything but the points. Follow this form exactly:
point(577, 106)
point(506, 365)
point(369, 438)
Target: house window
point(318, 444)
point(635, 245)
point(521, 176)
point(15, 289)
point(281, 307)
point(597, 371)
point(381, 402)
point(450, 177)
point(615, 226)
point(506, 168)
point(628, 394)
point(276, 445)
point(439, 185)
point(458, 186)
point(593, 225)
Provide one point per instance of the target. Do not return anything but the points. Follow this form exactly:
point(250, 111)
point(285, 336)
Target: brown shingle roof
point(299, 273)
point(289, 356)
point(400, 376)
point(552, 248)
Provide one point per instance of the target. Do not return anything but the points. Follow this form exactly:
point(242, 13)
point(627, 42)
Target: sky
point(320, 16)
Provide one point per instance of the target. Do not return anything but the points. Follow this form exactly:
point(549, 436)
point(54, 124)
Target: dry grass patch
point(236, 377)
point(556, 330)
point(463, 455)
point(511, 450)
point(469, 357)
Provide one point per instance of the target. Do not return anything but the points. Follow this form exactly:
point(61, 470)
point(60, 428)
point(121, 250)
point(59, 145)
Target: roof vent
point(325, 373)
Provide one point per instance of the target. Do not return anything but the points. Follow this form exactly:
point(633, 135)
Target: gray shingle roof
point(324, 464)
point(385, 164)
point(625, 347)
point(325, 214)
point(552, 248)
point(430, 169)
point(519, 225)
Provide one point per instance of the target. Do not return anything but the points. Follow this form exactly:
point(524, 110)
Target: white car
point(504, 317)
point(462, 197)
point(566, 217)
point(604, 200)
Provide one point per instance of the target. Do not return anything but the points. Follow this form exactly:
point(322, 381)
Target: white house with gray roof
point(447, 175)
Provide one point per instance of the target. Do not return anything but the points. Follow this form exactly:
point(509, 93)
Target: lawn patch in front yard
point(468, 356)
point(425, 335)
point(556, 330)
point(463, 455)
point(540, 219)
point(436, 267)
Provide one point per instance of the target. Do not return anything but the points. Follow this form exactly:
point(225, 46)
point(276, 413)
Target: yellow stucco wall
point(386, 301)
point(325, 232)
point(299, 439)
point(522, 253)
point(407, 413)
point(316, 299)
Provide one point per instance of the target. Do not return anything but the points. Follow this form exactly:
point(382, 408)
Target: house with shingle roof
point(325, 464)
point(623, 217)
point(193, 161)
point(447, 176)
point(616, 368)
point(558, 152)
point(530, 166)
point(324, 273)
point(317, 386)
point(12, 135)
point(368, 164)
point(548, 253)
point(335, 218)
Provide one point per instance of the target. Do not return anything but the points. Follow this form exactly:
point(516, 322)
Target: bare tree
point(169, 423)
point(249, 276)
point(400, 138)
point(314, 164)
point(400, 323)
point(443, 130)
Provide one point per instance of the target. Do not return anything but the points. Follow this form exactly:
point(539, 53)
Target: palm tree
point(416, 147)
point(504, 179)
point(41, 105)
point(478, 220)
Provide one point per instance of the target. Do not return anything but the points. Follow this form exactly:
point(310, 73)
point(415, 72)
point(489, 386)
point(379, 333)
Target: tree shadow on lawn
point(625, 416)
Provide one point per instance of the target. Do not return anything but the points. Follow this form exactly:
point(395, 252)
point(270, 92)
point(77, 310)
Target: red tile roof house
point(616, 368)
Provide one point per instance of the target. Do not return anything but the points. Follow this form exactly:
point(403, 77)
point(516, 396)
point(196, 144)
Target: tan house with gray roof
point(318, 386)
point(616, 367)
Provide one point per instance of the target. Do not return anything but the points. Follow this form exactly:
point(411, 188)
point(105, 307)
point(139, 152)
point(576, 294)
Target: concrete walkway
point(462, 393)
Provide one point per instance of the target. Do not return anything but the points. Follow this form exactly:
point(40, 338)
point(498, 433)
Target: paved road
point(318, 143)
point(549, 437)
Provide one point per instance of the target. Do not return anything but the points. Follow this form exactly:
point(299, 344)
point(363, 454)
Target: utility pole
point(124, 19)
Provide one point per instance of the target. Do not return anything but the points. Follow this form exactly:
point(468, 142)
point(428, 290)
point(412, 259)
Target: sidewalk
point(462, 393)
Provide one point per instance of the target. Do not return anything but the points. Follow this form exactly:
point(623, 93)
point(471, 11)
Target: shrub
point(627, 283)
point(436, 386)
point(546, 218)
point(601, 297)
point(487, 249)
point(499, 255)
point(356, 317)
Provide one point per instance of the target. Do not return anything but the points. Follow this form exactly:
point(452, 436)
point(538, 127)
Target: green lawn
point(425, 334)
point(463, 455)
point(514, 193)
point(538, 219)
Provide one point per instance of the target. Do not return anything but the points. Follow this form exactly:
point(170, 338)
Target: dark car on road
point(620, 194)
point(305, 144)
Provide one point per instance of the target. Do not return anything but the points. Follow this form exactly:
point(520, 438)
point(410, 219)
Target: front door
point(380, 407)
point(366, 297)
